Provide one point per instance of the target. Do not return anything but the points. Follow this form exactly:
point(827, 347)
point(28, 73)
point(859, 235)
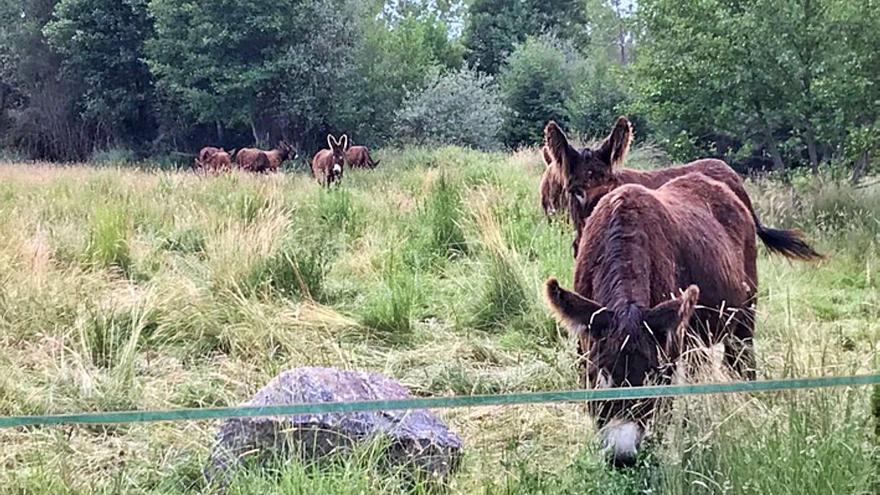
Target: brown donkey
point(328, 164)
point(214, 159)
point(553, 196)
point(589, 174)
point(640, 248)
point(248, 158)
point(359, 157)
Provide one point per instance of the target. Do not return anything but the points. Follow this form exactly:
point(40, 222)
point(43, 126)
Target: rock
point(418, 438)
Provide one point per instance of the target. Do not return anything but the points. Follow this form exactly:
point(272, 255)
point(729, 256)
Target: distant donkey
point(213, 159)
point(359, 157)
point(591, 173)
point(328, 164)
point(247, 158)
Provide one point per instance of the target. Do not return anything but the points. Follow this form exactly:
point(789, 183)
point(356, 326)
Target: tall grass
point(124, 289)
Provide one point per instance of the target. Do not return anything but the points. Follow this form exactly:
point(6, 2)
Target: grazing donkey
point(359, 157)
point(247, 158)
point(328, 164)
point(589, 174)
point(553, 195)
point(691, 239)
point(212, 159)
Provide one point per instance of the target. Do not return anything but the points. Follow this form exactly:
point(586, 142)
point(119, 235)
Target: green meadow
point(126, 288)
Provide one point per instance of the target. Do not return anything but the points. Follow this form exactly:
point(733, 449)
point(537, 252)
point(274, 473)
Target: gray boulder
point(418, 439)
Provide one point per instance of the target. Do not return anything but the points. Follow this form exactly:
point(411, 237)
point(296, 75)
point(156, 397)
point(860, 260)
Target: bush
point(461, 108)
point(536, 81)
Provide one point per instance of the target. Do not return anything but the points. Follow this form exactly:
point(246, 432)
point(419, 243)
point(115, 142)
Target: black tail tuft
point(788, 243)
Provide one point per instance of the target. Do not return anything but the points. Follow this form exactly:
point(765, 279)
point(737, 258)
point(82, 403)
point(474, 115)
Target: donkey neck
point(623, 276)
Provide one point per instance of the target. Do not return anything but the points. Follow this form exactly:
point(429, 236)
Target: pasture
point(138, 289)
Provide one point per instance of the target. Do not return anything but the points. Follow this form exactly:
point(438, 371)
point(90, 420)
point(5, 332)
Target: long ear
point(548, 160)
point(557, 145)
point(343, 141)
point(331, 141)
point(232, 153)
point(615, 147)
point(668, 320)
point(578, 313)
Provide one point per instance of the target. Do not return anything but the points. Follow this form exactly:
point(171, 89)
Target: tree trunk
point(773, 149)
point(860, 167)
point(256, 134)
point(812, 151)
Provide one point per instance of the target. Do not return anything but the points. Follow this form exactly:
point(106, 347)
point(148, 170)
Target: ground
point(139, 289)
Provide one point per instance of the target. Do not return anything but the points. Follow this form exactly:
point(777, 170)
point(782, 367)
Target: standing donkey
point(691, 239)
point(328, 164)
point(591, 173)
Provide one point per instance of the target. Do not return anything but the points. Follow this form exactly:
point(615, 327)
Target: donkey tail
point(789, 243)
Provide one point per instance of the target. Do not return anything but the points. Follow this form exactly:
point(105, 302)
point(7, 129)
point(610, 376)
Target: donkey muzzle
point(621, 441)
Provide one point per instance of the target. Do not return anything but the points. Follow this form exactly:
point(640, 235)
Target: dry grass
point(208, 287)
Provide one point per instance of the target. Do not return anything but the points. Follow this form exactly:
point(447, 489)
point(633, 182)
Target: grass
point(147, 289)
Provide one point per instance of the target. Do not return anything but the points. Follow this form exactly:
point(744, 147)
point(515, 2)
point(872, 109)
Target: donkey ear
point(671, 317)
point(331, 141)
point(548, 160)
point(615, 147)
point(343, 142)
point(578, 313)
point(557, 145)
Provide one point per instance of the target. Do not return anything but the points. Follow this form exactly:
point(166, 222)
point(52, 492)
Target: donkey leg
point(739, 346)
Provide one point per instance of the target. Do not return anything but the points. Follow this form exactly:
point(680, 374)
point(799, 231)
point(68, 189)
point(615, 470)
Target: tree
point(102, 46)
point(395, 58)
point(767, 73)
point(536, 81)
point(43, 119)
point(495, 27)
point(277, 68)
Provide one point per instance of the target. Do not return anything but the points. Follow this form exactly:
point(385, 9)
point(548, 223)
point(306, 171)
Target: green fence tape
point(440, 402)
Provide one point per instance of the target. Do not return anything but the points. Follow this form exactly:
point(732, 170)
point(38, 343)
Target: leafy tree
point(394, 60)
point(462, 108)
point(102, 46)
point(536, 81)
point(495, 27)
point(43, 119)
point(277, 68)
point(770, 74)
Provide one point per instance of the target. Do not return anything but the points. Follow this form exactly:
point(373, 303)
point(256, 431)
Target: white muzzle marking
point(622, 440)
point(337, 168)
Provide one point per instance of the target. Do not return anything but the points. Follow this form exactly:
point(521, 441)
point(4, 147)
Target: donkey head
point(286, 150)
point(628, 347)
point(338, 148)
point(588, 172)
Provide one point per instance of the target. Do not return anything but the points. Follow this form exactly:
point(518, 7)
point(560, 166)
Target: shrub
point(461, 108)
point(535, 82)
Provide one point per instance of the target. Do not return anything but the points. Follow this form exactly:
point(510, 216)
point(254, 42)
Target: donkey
point(591, 173)
point(328, 164)
point(359, 157)
point(553, 195)
point(214, 159)
point(692, 238)
point(247, 158)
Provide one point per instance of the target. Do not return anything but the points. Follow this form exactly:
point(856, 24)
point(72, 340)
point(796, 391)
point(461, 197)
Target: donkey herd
point(665, 262)
point(327, 164)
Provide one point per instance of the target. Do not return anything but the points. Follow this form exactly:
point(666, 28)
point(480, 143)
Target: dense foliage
point(764, 84)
